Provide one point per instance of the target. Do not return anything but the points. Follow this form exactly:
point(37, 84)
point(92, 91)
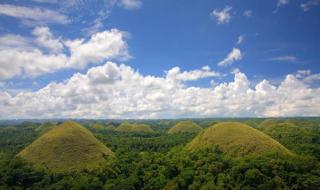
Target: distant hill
point(110, 127)
point(268, 122)
point(45, 127)
point(66, 147)
point(235, 138)
point(185, 127)
point(296, 138)
point(98, 126)
point(128, 127)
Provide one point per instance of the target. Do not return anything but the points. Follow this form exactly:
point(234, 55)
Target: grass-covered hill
point(185, 127)
point(128, 127)
point(45, 127)
point(296, 138)
point(66, 147)
point(269, 122)
point(98, 126)
point(235, 138)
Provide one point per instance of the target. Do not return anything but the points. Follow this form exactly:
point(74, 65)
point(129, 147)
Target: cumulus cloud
point(11, 41)
point(29, 63)
point(222, 16)
point(104, 45)
point(30, 14)
point(176, 75)
point(46, 39)
point(20, 56)
point(234, 55)
point(307, 76)
point(118, 91)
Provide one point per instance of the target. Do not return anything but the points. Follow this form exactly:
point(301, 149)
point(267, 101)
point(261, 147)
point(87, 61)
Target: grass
point(45, 127)
point(98, 126)
point(269, 122)
point(185, 127)
point(127, 127)
point(235, 138)
point(67, 147)
point(296, 138)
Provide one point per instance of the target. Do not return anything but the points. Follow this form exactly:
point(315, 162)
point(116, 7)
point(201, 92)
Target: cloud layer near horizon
point(118, 91)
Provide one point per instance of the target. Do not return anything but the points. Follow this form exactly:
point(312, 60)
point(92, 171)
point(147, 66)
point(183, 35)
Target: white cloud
point(282, 2)
point(130, 4)
point(28, 14)
point(307, 76)
point(21, 57)
point(309, 4)
point(29, 63)
point(286, 58)
point(46, 1)
point(11, 41)
point(247, 13)
point(234, 55)
point(240, 40)
point(176, 75)
point(222, 16)
point(118, 91)
point(101, 46)
point(46, 39)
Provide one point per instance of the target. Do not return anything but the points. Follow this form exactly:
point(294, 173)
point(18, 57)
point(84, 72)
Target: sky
point(148, 59)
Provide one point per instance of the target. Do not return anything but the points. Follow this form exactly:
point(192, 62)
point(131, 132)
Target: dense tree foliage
point(158, 161)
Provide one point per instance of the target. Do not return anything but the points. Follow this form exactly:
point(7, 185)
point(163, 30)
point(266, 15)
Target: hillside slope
point(128, 127)
point(45, 127)
point(185, 127)
point(296, 138)
point(236, 139)
point(68, 146)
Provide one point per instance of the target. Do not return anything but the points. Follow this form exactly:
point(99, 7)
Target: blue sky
point(263, 41)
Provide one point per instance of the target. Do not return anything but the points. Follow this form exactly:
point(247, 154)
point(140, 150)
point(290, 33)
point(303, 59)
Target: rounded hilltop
point(128, 127)
point(66, 147)
point(98, 126)
point(235, 138)
point(185, 127)
point(269, 122)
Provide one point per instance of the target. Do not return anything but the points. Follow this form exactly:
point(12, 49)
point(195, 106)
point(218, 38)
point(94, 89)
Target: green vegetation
point(300, 140)
point(127, 127)
point(185, 127)
point(236, 139)
point(45, 128)
point(269, 122)
point(66, 147)
point(98, 126)
point(160, 160)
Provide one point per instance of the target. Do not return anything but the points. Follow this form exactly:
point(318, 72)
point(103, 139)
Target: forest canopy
point(159, 160)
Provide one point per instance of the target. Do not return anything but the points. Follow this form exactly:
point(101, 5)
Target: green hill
point(298, 139)
point(45, 127)
point(268, 122)
point(235, 138)
point(185, 127)
point(98, 126)
point(109, 127)
point(127, 127)
point(67, 147)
